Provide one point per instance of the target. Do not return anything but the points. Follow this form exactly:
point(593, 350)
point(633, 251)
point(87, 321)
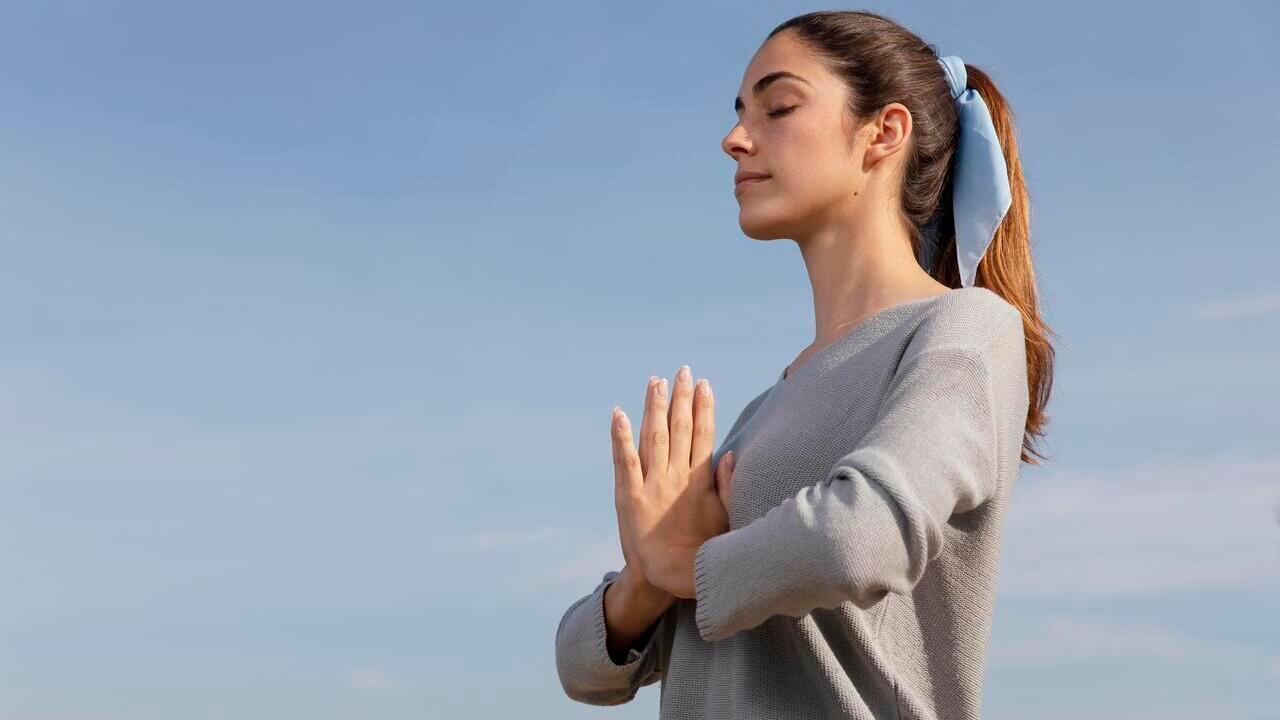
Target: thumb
point(724, 478)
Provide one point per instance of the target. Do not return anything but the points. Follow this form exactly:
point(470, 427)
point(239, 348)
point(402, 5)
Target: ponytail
point(1006, 268)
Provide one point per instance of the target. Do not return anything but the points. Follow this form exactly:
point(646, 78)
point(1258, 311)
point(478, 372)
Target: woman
point(842, 560)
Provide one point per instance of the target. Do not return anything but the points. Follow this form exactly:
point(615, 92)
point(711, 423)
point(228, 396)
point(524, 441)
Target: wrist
point(641, 594)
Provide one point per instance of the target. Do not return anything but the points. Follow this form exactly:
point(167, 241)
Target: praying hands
point(667, 500)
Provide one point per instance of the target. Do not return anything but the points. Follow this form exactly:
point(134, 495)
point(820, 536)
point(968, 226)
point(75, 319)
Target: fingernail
point(732, 459)
point(662, 388)
point(684, 373)
point(704, 387)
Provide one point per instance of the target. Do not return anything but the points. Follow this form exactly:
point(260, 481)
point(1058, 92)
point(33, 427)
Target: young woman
point(841, 561)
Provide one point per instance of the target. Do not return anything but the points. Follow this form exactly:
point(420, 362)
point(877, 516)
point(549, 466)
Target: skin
point(666, 496)
point(833, 189)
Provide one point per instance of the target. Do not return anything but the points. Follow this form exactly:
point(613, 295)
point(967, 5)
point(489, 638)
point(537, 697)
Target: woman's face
point(796, 130)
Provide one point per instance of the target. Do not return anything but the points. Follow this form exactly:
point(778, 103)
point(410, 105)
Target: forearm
point(630, 611)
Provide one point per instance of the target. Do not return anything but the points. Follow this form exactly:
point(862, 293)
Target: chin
point(758, 224)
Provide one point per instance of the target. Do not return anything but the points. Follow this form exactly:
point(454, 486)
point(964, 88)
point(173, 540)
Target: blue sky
point(312, 316)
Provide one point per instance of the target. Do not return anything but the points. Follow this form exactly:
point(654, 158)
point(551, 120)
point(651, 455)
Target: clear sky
point(312, 316)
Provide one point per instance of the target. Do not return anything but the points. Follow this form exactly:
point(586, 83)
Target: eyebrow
point(765, 82)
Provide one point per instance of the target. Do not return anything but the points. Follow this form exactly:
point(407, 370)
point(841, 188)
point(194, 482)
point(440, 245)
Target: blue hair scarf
point(980, 194)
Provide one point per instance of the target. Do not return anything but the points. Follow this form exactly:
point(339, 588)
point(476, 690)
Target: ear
point(888, 134)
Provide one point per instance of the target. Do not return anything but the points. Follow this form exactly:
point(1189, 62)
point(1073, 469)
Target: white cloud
point(1148, 530)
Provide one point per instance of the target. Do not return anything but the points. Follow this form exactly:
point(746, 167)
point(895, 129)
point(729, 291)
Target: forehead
point(782, 52)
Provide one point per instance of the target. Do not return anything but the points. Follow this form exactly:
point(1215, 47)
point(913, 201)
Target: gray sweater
point(858, 575)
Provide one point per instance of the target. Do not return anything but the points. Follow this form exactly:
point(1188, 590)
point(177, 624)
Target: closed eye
point(782, 111)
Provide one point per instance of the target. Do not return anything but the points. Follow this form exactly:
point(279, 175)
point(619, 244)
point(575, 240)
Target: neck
point(859, 268)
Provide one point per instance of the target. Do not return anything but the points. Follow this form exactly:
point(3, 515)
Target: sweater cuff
point(709, 587)
point(603, 659)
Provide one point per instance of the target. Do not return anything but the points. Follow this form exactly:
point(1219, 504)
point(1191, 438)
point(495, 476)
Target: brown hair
point(882, 62)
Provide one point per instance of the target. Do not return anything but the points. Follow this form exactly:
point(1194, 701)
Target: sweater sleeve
point(871, 525)
point(587, 672)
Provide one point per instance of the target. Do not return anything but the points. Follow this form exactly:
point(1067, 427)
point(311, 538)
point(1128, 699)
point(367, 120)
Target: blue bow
point(980, 179)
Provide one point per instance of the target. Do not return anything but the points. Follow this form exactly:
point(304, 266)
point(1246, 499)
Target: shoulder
point(973, 319)
point(971, 339)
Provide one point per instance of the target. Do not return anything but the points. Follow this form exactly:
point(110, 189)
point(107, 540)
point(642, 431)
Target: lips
point(744, 179)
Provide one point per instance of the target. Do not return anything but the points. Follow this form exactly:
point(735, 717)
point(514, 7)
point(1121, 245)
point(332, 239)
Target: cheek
point(814, 166)
point(831, 170)
point(814, 184)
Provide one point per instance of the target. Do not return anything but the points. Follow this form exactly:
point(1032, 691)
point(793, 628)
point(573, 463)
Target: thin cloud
point(1237, 307)
point(1144, 531)
point(1222, 370)
point(1061, 638)
point(499, 539)
point(371, 679)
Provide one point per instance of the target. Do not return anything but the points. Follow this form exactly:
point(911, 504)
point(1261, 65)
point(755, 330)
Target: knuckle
point(681, 425)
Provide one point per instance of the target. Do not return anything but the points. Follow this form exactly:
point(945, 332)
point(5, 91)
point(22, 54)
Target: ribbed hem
point(602, 635)
point(704, 613)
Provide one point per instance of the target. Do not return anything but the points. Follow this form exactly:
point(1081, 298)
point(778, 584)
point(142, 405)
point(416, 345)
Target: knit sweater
point(858, 575)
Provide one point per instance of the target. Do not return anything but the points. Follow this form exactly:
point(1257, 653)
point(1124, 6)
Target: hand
point(668, 504)
point(632, 567)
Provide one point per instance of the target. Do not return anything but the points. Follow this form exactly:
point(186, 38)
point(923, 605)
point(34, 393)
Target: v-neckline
point(870, 321)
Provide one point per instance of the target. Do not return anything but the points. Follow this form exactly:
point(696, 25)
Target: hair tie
point(980, 178)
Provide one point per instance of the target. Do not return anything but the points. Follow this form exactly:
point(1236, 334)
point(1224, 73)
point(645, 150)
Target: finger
point(619, 479)
point(702, 443)
point(682, 416)
point(628, 477)
point(646, 422)
point(659, 438)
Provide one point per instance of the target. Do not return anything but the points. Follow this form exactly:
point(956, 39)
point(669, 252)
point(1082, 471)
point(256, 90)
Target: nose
point(736, 142)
